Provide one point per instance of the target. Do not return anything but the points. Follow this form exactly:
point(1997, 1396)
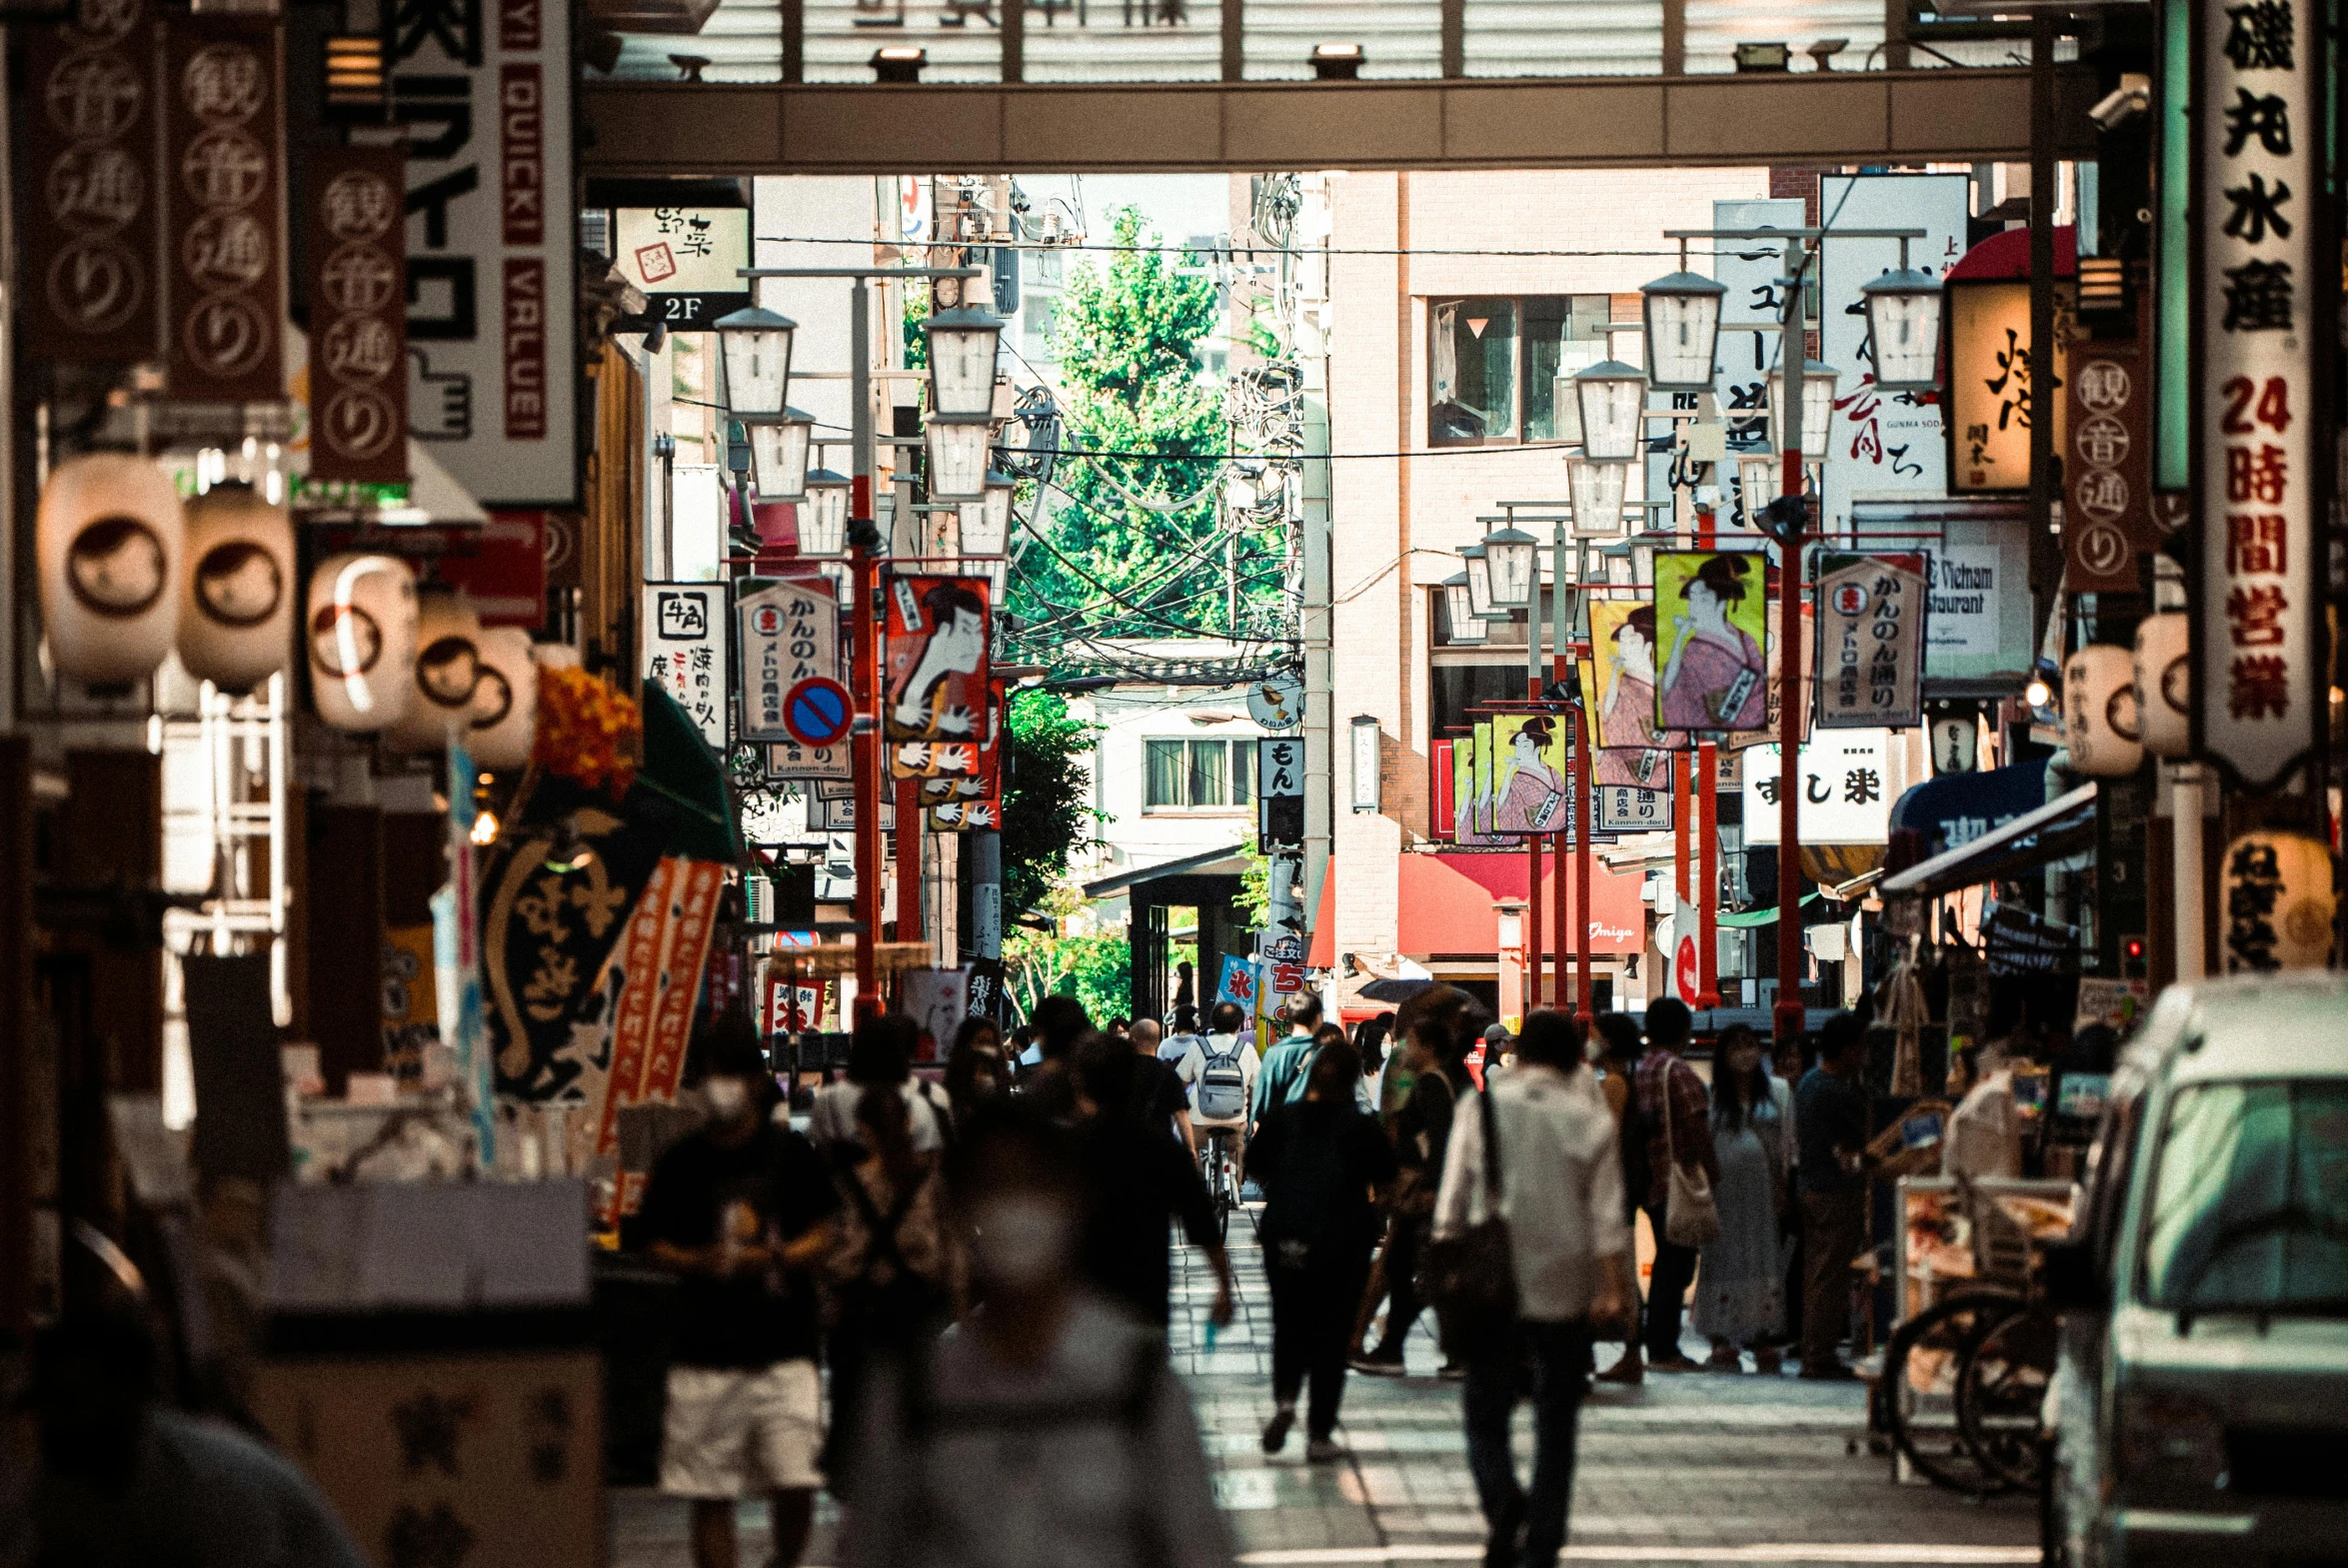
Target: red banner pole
point(1707, 886)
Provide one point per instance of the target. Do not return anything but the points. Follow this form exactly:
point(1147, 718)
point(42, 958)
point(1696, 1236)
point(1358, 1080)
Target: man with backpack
point(1219, 1071)
point(1287, 1065)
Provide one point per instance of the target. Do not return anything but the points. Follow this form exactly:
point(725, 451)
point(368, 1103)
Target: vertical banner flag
point(2263, 286)
point(667, 944)
point(1618, 692)
point(1870, 619)
point(962, 802)
point(1238, 984)
point(85, 257)
point(1712, 614)
point(493, 369)
point(2107, 468)
point(1528, 774)
point(934, 714)
point(357, 315)
point(787, 631)
point(224, 184)
point(685, 649)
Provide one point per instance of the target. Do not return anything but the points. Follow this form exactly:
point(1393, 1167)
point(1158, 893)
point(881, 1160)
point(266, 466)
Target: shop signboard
point(2265, 298)
point(685, 649)
point(224, 194)
point(1871, 662)
point(1977, 577)
point(687, 258)
point(1848, 779)
point(357, 256)
point(1993, 389)
point(485, 96)
point(1279, 793)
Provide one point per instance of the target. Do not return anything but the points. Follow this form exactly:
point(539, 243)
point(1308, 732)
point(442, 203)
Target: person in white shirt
point(1226, 1049)
point(1561, 1192)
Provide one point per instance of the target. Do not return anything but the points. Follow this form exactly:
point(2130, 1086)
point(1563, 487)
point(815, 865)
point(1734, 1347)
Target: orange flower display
point(586, 732)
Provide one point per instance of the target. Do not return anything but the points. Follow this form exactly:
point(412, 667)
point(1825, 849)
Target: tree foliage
point(1095, 967)
point(1045, 813)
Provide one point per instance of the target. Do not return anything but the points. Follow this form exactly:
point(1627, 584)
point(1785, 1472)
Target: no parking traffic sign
point(818, 711)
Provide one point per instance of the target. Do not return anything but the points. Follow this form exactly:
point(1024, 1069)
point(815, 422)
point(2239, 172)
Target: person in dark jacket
point(1139, 1178)
point(1319, 1160)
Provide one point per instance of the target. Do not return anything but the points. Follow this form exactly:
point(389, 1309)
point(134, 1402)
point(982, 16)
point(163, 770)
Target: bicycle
point(1219, 1163)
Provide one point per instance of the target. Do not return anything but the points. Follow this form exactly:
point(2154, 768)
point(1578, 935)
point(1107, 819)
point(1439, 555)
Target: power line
point(1232, 249)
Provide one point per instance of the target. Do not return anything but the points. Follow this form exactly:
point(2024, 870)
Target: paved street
point(1696, 1469)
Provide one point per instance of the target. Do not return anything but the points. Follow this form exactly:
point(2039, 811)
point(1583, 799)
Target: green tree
point(1128, 337)
point(1045, 813)
point(1041, 960)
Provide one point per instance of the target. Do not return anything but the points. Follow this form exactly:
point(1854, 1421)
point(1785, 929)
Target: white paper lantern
point(505, 702)
point(361, 635)
point(2164, 683)
point(2099, 711)
point(2278, 903)
point(236, 613)
point(111, 540)
point(446, 673)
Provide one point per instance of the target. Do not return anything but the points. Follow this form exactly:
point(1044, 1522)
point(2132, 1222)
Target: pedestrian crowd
point(983, 1263)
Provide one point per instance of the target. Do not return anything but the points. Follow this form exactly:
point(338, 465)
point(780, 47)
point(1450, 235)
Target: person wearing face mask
point(1047, 1431)
point(1740, 1290)
point(741, 1209)
point(1319, 1161)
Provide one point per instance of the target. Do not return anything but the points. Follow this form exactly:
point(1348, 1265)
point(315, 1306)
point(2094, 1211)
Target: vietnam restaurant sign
point(2261, 284)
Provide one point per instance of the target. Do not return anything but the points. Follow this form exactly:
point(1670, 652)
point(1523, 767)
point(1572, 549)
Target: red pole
point(1788, 1013)
point(1581, 870)
point(1682, 828)
point(1534, 946)
point(1708, 888)
point(1578, 760)
point(865, 759)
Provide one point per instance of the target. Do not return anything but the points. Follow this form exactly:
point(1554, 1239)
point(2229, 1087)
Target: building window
point(1494, 365)
point(1208, 776)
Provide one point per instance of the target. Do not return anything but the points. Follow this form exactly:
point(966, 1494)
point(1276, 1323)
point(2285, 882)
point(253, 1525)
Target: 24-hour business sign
point(2263, 289)
point(484, 92)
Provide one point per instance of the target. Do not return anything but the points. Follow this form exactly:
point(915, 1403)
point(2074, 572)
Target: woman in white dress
point(1740, 1286)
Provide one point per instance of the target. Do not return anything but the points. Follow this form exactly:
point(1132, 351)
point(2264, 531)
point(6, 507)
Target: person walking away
point(1559, 1190)
point(1665, 1085)
point(1048, 1431)
point(1620, 1046)
point(1831, 1116)
point(838, 1113)
point(891, 1267)
point(1740, 1297)
point(975, 1071)
point(1140, 1179)
point(1060, 1024)
point(1157, 1093)
point(1319, 1160)
point(1285, 1064)
point(1218, 1072)
point(742, 1210)
point(1437, 1027)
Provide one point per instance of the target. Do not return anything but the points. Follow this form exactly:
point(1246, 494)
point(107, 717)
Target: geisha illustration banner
point(937, 632)
point(1618, 692)
point(1528, 774)
point(1471, 788)
point(1711, 619)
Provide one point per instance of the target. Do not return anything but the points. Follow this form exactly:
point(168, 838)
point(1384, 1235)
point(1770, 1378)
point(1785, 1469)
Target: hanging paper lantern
point(2279, 903)
point(2164, 683)
point(361, 632)
point(236, 613)
point(2099, 711)
point(448, 669)
point(505, 701)
point(111, 539)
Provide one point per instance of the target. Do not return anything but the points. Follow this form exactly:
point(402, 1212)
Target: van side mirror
point(2072, 1281)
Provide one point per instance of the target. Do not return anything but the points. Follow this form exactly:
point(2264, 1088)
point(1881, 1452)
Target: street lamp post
point(869, 760)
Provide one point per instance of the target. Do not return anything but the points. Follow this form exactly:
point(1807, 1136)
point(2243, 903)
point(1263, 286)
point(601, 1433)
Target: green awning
point(1752, 917)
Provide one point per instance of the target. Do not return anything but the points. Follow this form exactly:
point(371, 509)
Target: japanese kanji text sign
point(224, 189)
point(1993, 389)
point(685, 649)
point(358, 315)
point(483, 93)
point(1870, 660)
point(1279, 792)
point(90, 199)
point(1848, 785)
point(2107, 468)
point(686, 260)
point(788, 630)
point(2263, 289)
point(1626, 808)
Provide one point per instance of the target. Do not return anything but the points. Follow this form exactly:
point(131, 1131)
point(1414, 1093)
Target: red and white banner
point(660, 958)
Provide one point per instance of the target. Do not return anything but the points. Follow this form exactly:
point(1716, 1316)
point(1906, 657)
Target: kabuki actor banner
point(1711, 614)
point(685, 650)
point(1618, 692)
point(484, 93)
point(1871, 662)
point(935, 712)
point(2263, 291)
point(958, 803)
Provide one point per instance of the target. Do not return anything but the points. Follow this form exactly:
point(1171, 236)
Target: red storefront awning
point(1445, 905)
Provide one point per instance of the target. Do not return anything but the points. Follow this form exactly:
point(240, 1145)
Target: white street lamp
point(1904, 330)
point(1513, 558)
point(1759, 474)
point(986, 525)
point(958, 458)
point(1613, 398)
point(778, 455)
point(757, 352)
point(1819, 386)
point(823, 516)
point(1598, 496)
point(1479, 584)
point(962, 362)
point(1460, 609)
point(1682, 311)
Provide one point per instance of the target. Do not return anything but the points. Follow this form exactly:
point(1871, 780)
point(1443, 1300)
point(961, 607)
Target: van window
point(2250, 1200)
point(2110, 1161)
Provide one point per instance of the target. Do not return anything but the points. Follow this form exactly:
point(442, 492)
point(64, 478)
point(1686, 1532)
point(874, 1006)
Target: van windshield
point(2250, 1200)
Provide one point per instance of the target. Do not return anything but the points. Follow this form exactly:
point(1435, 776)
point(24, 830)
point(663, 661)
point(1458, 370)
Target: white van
point(2199, 1409)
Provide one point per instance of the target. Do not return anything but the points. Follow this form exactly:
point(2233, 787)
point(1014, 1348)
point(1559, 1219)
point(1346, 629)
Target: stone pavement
point(1692, 1470)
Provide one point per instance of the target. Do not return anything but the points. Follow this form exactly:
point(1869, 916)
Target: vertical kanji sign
point(87, 287)
point(1871, 642)
point(790, 629)
point(685, 649)
point(358, 315)
point(224, 185)
point(2107, 469)
point(1279, 792)
point(2264, 289)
